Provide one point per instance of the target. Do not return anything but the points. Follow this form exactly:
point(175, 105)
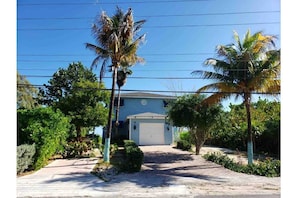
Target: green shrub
point(47, 128)
point(75, 149)
point(133, 156)
point(134, 159)
point(184, 145)
point(112, 149)
point(185, 135)
point(268, 167)
point(129, 143)
point(25, 154)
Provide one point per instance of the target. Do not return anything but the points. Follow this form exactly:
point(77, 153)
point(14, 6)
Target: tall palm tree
point(121, 81)
point(117, 43)
point(247, 67)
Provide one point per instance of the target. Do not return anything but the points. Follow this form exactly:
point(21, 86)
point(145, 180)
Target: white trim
point(147, 115)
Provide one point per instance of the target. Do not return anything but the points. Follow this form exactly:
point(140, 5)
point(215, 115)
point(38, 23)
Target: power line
point(160, 26)
point(142, 70)
point(146, 61)
point(159, 16)
point(143, 77)
point(146, 54)
point(159, 91)
point(153, 61)
point(107, 3)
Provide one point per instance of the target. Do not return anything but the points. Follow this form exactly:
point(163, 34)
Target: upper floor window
point(165, 103)
point(116, 102)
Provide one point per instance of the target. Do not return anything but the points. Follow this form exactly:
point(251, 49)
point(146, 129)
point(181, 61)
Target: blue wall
point(133, 106)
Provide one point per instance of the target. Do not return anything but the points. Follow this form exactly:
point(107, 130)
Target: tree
point(44, 127)
point(121, 81)
point(248, 66)
point(117, 43)
point(189, 111)
point(26, 93)
point(77, 93)
point(230, 131)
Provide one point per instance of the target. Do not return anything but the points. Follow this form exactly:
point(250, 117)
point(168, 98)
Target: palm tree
point(121, 81)
point(117, 43)
point(248, 66)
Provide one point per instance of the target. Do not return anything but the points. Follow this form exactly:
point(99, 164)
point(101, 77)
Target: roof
point(146, 95)
point(147, 115)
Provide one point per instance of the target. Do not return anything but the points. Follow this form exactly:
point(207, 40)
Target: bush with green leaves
point(75, 149)
point(269, 167)
point(47, 128)
point(128, 143)
point(183, 145)
point(133, 156)
point(185, 135)
point(25, 154)
point(185, 141)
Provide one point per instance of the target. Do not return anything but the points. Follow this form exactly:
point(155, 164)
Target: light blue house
point(142, 118)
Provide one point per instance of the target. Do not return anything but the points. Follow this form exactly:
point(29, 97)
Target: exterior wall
point(134, 133)
point(133, 106)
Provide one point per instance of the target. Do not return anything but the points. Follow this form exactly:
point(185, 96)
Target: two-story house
point(142, 118)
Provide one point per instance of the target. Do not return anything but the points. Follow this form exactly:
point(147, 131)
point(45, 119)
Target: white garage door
point(151, 133)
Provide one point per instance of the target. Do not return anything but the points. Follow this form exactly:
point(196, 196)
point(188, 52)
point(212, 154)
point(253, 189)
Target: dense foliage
point(230, 130)
point(78, 94)
point(26, 93)
point(46, 128)
point(189, 111)
point(133, 156)
point(185, 141)
point(268, 167)
point(245, 67)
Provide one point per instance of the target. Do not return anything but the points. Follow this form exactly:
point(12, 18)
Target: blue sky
point(180, 35)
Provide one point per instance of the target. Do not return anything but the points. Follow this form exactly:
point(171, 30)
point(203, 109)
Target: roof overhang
point(147, 115)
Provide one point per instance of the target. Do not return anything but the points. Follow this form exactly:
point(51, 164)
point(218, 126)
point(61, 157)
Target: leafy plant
point(184, 145)
point(133, 157)
point(268, 167)
point(47, 128)
point(25, 154)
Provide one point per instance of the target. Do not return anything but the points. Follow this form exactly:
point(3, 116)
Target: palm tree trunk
point(117, 112)
point(247, 102)
point(106, 157)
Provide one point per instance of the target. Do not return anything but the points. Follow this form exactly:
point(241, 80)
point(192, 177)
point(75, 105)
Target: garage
point(150, 129)
point(151, 133)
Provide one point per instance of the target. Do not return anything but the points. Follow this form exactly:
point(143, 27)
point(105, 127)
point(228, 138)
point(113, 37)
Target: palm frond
point(216, 98)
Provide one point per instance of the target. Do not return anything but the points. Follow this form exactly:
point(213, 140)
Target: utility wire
point(107, 3)
point(147, 54)
point(147, 61)
point(157, 26)
point(157, 16)
point(159, 91)
point(138, 77)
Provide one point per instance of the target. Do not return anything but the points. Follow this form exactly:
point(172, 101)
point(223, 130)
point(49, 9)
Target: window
point(116, 102)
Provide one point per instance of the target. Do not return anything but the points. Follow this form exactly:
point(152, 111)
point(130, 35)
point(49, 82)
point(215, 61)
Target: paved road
point(167, 172)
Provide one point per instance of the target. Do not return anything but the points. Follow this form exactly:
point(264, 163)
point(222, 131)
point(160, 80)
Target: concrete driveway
point(166, 172)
